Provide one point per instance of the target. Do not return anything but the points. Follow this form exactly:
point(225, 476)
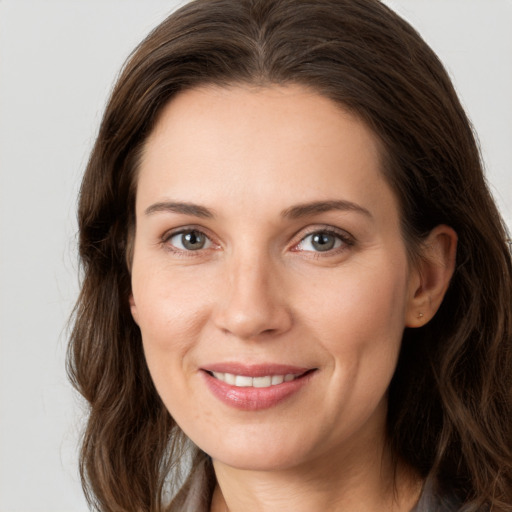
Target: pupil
point(193, 240)
point(323, 241)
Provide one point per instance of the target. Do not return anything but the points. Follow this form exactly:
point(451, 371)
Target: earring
point(420, 315)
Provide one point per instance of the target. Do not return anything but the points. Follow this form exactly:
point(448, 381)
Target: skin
point(259, 291)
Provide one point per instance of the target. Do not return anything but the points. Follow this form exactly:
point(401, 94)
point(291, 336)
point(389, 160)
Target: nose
point(253, 304)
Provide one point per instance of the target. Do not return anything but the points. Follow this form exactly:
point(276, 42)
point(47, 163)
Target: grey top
point(432, 501)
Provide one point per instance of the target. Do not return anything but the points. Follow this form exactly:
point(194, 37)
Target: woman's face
point(270, 279)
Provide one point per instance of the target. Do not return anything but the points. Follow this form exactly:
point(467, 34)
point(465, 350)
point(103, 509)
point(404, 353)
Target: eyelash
point(341, 236)
point(184, 252)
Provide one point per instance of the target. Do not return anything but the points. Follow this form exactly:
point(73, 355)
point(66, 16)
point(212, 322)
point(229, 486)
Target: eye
point(190, 240)
point(322, 241)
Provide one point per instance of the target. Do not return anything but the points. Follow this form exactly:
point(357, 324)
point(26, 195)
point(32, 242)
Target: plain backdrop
point(58, 60)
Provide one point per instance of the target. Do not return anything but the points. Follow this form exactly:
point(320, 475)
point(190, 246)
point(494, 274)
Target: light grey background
point(58, 60)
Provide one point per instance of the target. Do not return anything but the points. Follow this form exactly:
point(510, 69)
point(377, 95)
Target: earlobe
point(431, 276)
point(133, 308)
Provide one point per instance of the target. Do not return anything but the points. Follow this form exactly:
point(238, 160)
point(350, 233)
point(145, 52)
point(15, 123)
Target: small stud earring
point(420, 315)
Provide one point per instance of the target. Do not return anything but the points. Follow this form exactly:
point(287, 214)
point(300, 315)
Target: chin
point(262, 455)
point(258, 461)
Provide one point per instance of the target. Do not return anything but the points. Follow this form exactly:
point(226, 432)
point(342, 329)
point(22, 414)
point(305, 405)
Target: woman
point(291, 259)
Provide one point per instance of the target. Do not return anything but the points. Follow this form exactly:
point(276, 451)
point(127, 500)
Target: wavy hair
point(450, 403)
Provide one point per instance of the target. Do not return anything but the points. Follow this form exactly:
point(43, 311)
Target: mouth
point(252, 388)
point(265, 381)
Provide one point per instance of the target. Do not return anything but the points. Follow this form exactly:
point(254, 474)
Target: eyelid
point(347, 239)
point(166, 237)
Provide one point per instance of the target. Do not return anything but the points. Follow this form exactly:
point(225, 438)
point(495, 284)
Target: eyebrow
point(316, 207)
point(183, 208)
point(294, 212)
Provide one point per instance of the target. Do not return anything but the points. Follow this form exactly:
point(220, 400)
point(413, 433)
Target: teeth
point(229, 378)
point(277, 379)
point(262, 382)
point(243, 381)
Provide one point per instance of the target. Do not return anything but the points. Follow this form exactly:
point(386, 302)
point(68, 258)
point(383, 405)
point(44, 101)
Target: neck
point(372, 484)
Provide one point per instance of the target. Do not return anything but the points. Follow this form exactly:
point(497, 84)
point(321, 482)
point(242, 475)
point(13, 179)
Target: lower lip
point(254, 399)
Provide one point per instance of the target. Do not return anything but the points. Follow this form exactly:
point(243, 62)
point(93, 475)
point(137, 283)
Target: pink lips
point(255, 398)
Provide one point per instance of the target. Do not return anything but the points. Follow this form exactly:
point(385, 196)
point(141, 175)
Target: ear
point(133, 309)
point(431, 276)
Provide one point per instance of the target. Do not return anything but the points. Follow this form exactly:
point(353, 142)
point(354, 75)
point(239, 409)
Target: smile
point(244, 381)
point(255, 387)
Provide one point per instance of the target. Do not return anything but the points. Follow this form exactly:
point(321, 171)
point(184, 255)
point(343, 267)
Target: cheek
point(360, 324)
point(168, 304)
point(170, 320)
point(362, 299)
point(171, 310)
point(359, 319)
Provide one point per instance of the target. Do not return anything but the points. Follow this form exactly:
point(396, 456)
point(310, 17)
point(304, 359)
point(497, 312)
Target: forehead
point(258, 112)
point(246, 144)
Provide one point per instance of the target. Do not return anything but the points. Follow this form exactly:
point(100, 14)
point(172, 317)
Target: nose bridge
point(253, 300)
point(251, 279)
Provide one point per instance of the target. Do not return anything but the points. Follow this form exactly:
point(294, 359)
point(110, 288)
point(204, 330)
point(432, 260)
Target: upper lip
point(255, 370)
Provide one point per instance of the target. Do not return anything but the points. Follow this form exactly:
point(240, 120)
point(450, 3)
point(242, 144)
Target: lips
point(255, 387)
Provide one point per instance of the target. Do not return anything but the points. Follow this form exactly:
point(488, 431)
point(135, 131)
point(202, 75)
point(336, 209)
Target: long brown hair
point(450, 404)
